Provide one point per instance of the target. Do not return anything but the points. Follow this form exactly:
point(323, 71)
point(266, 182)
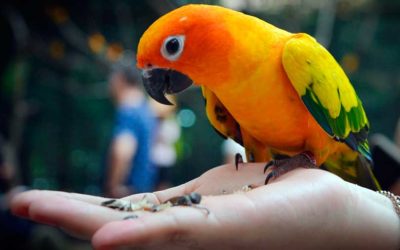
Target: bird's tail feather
point(352, 167)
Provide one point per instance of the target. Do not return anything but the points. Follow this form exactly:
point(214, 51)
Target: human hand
point(81, 215)
point(304, 208)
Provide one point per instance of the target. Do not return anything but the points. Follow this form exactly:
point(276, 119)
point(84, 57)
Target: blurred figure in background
point(163, 152)
point(130, 169)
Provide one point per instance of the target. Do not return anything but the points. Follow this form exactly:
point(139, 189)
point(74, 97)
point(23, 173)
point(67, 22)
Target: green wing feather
point(326, 91)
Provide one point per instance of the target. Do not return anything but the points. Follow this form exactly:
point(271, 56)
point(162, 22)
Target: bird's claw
point(269, 164)
point(269, 176)
point(238, 160)
point(282, 166)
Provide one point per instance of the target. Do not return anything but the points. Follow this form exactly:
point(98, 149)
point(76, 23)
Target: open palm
point(306, 208)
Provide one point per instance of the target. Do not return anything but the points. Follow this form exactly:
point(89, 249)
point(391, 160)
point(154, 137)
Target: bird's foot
point(282, 166)
point(238, 160)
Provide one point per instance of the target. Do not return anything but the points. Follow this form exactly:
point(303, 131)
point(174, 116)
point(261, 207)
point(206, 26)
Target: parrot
point(280, 95)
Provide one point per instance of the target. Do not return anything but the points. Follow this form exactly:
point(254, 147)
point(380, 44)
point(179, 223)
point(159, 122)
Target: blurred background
point(57, 115)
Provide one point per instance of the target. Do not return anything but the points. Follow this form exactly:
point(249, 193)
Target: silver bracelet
point(394, 198)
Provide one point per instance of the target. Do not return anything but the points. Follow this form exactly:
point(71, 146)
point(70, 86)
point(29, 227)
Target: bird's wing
point(220, 118)
point(326, 91)
point(226, 126)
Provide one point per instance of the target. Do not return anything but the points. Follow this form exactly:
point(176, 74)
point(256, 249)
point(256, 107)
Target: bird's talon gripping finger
point(269, 164)
point(238, 160)
point(269, 176)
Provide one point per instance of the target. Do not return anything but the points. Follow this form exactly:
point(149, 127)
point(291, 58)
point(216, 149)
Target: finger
point(180, 190)
point(168, 228)
point(182, 227)
point(234, 214)
point(219, 180)
point(79, 218)
point(21, 202)
point(161, 196)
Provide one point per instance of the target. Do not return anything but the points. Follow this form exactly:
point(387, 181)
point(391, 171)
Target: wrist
point(376, 218)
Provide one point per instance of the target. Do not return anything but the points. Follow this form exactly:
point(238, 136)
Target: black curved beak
point(159, 82)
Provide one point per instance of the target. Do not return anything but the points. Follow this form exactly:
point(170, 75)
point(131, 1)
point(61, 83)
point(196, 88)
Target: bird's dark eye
point(172, 47)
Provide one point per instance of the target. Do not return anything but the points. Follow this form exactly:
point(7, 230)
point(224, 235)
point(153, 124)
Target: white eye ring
point(172, 47)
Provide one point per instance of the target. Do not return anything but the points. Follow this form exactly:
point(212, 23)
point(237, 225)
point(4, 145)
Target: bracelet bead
point(394, 198)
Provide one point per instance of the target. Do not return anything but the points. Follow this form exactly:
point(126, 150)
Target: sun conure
point(274, 92)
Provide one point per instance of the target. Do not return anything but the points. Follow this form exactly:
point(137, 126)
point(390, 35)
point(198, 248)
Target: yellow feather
point(309, 65)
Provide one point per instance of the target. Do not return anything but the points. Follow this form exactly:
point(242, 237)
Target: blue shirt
point(140, 122)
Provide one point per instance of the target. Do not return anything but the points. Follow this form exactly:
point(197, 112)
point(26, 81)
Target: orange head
point(183, 46)
point(205, 44)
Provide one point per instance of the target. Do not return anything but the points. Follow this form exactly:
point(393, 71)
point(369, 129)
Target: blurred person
point(130, 169)
point(164, 153)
